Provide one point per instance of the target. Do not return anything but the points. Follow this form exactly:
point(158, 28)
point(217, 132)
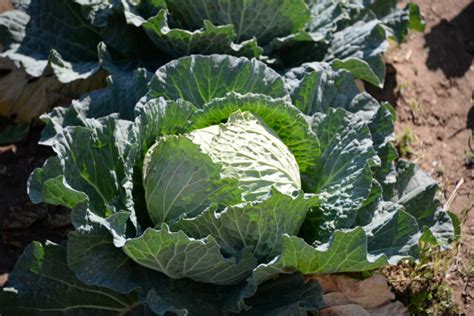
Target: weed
point(420, 285)
point(404, 143)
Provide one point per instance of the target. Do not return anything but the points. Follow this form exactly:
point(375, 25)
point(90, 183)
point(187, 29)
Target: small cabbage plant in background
point(69, 44)
point(214, 186)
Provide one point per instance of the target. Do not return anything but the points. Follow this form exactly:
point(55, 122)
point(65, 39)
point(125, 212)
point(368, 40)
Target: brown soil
point(431, 84)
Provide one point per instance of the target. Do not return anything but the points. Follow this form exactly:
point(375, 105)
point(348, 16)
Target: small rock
point(344, 310)
point(369, 293)
point(335, 299)
point(395, 308)
point(327, 282)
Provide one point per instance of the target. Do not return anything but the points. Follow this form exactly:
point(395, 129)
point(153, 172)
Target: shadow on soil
point(389, 93)
point(451, 49)
point(451, 44)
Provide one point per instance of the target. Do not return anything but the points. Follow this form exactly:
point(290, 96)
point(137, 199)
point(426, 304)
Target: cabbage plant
point(214, 186)
point(74, 41)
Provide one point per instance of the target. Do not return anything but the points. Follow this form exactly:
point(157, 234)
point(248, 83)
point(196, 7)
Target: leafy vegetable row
point(68, 44)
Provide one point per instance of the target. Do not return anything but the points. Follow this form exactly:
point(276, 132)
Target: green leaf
point(360, 69)
point(41, 283)
point(97, 159)
point(46, 184)
point(210, 39)
point(33, 41)
point(123, 92)
point(261, 19)
point(344, 179)
point(380, 121)
point(327, 16)
point(160, 117)
point(316, 87)
point(416, 191)
point(346, 251)
point(199, 79)
point(179, 256)
point(287, 295)
point(180, 179)
point(185, 298)
point(415, 21)
point(456, 224)
point(252, 153)
point(256, 224)
point(95, 260)
point(96, 11)
point(398, 22)
point(281, 116)
point(363, 40)
point(393, 232)
point(296, 49)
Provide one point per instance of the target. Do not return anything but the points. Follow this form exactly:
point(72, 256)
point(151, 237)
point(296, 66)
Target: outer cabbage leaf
point(364, 40)
point(46, 184)
point(97, 159)
point(293, 50)
point(256, 224)
point(123, 92)
point(344, 178)
point(329, 16)
point(42, 284)
point(315, 87)
point(32, 42)
point(199, 79)
point(179, 256)
point(416, 191)
point(360, 69)
point(210, 39)
point(393, 232)
point(273, 298)
point(398, 22)
point(261, 19)
point(159, 117)
point(95, 260)
point(380, 119)
point(346, 251)
point(185, 298)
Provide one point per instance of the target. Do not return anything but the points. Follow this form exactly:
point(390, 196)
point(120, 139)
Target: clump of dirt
point(431, 84)
point(21, 221)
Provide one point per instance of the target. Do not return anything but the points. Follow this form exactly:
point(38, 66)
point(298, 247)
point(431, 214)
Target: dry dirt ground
point(431, 84)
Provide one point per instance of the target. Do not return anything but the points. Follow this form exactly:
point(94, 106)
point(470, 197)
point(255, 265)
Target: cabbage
point(216, 187)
